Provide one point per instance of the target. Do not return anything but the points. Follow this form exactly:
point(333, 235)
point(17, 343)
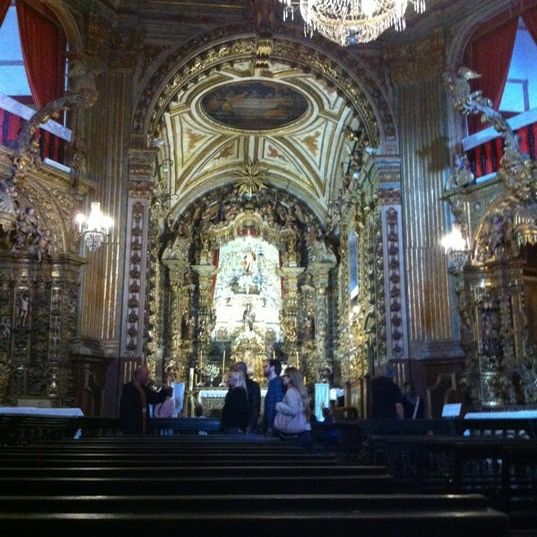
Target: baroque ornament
point(492, 290)
point(250, 178)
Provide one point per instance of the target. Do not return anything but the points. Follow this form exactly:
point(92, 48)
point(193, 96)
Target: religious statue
point(309, 329)
point(24, 309)
point(210, 214)
point(248, 318)
point(248, 262)
point(7, 200)
point(187, 327)
point(5, 329)
point(462, 174)
point(317, 248)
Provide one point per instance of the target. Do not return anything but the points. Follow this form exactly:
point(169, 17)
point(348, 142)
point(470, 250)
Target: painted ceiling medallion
point(254, 105)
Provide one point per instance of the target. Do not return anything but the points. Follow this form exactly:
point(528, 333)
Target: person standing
point(167, 408)
point(275, 393)
point(254, 397)
point(236, 412)
point(135, 400)
point(412, 403)
point(386, 398)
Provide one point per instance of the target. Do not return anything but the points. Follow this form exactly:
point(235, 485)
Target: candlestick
point(191, 379)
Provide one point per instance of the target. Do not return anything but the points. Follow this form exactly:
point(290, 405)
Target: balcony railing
point(52, 136)
point(485, 148)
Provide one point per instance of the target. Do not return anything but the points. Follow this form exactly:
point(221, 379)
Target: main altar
point(247, 282)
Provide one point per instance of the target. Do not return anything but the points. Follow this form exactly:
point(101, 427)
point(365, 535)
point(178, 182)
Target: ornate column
point(416, 71)
point(320, 273)
point(180, 330)
point(134, 335)
point(289, 313)
point(205, 273)
point(394, 275)
point(108, 125)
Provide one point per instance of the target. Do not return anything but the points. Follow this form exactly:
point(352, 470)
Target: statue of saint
point(248, 317)
point(248, 262)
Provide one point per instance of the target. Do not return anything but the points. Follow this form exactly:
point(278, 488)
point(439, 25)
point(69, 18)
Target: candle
point(297, 361)
point(223, 364)
point(201, 362)
point(191, 379)
point(274, 355)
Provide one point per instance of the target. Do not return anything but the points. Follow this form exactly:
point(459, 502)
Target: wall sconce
point(95, 227)
point(456, 248)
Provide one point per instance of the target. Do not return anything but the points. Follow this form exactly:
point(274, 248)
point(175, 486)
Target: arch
point(468, 26)
point(206, 53)
point(68, 22)
point(223, 179)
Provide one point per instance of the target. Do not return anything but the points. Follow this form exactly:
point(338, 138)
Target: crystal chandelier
point(351, 21)
point(95, 227)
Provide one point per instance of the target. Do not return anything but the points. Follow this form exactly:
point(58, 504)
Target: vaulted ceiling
point(205, 128)
point(291, 122)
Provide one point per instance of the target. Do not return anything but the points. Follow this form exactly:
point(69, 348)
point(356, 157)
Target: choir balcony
point(53, 137)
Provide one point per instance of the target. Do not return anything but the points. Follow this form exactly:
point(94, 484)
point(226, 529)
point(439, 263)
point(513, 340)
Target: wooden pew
point(290, 523)
point(161, 485)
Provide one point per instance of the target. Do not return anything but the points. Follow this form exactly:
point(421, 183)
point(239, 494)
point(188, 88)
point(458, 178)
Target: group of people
point(286, 406)
point(286, 409)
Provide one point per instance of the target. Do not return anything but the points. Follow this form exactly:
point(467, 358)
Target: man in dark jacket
point(254, 397)
point(386, 398)
point(135, 400)
point(275, 393)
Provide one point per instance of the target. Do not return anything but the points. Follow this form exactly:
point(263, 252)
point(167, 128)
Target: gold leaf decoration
point(250, 178)
point(311, 142)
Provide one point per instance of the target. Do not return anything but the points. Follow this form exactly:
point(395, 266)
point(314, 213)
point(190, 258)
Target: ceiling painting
point(254, 105)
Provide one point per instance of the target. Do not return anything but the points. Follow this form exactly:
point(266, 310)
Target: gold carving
point(311, 142)
point(418, 60)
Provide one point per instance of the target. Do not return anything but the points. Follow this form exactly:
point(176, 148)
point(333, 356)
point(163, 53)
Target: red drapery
point(530, 20)
point(43, 46)
point(490, 56)
point(4, 6)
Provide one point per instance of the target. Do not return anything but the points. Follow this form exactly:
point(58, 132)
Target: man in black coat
point(135, 400)
point(254, 397)
point(386, 398)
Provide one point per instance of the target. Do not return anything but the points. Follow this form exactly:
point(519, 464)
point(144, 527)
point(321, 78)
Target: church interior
point(191, 184)
point(346, 186)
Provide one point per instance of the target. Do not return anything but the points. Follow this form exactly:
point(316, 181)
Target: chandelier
point(456, 248)
point(95, 227)
point(351, 21)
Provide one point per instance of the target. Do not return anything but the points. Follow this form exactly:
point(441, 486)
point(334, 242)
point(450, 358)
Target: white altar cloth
point(35, 411)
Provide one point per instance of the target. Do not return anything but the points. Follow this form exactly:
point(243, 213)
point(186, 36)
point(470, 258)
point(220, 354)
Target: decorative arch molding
point(208, 52)
point(467, 27)
point(209, 184)
point(65, 17)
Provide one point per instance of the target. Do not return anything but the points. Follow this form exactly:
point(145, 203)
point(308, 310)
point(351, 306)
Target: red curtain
point(530, 20)
point(43, 46)
point(490, 57)
point(4, 6)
